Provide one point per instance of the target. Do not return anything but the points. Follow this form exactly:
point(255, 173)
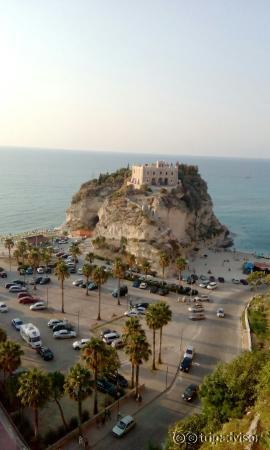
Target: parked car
point(196, 316)
point(16, 323)
point(71, 270)
point(190, 392)
point(106, 331)
point(45, 353)
point(140, 309)
point(212, 285)
point(35, 280)
point(92, 286)
point(235, 281)
point(202, 298)
point(162, 291)
point(203, 285)
point(117, 343)
point(123, 426)
point(3, 307)
point(118, 379)
point(220, 312)
point(77, 345)
point(212, 279)
point(17, 288)
point(29, 271)
point(221, 280)
point(123, 291)
point(23, 294)
point(141, 305)
point(45, 280)
point(132, 313)
point(110, 337)
point(136, 284)
point(19, 282)
point(53, 322)
point(153, 289)
point(62, 326)
point(143, 285)
point(189, 353)
point(244, 281)
point(38, 306)
point(185, 364)
point(40, 270)
point(77, 282)
point(64, 334)
point(3, 274)
point(80, 271)
point(196, 308)
point(105, 386)
point(28, 300)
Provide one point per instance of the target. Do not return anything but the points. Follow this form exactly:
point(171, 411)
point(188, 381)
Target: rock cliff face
point(150, 219)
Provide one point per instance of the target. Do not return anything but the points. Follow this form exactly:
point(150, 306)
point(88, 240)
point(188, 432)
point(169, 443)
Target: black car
point(153, 289)
point(212, 279)
point(244, 282)
point(123, 291)
point(162, 291)
point(117, 379)
point(185, 364)
point(221, 280)
point(194, 292)
point(45, 353)
point(190, 392)
point(8, 285)
point(186, 290)
point(20, 282)
point(36, 280)
point(48, 270)
point(3, 274)
point(136, 283)
point(71, 269)
point(45, 280)
point(105, 386)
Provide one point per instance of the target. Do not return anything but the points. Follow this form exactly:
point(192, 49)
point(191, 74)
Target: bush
point(24, 425)
point(85, 415)
point(73, 423)
point(50, 437)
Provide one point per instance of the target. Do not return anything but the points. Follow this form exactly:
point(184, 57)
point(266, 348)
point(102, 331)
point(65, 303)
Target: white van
point(109, 338)
point(31, 335)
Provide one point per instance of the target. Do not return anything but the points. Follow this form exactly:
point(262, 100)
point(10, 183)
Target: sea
point(36, 187)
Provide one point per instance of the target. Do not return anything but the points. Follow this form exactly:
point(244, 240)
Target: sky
point(187, 77)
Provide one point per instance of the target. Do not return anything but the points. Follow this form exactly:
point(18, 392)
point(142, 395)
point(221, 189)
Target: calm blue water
point(36, 187)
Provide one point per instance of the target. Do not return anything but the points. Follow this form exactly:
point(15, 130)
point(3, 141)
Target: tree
point(257, 279)
point(3, 335)
point(57, 381)
point(75, 251)
point(184, 427)
point(119, 273)
point(9, 244)
point(87, 270)
point(34, 257)
point(97, 356)
point(132, 328)
point(10, 356)
point(89, 257)
point(164, 262)
point(146, 266)
point(78, 386)
point(165, 315)
point(99, 277)
point(181, 265)
point(22, 249)
point(46, 256)
point(153, 322)
point(138, 350)
point(131, 260)
point(17, 255)
point(34, 392)
point(62, 273)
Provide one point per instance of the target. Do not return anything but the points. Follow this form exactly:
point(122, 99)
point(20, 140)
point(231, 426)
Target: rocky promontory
point(150, 219)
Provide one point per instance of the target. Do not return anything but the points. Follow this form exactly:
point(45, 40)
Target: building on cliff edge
point(160, 173)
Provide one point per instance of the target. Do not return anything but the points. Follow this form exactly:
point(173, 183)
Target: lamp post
point(47, 292)
point(78, 322)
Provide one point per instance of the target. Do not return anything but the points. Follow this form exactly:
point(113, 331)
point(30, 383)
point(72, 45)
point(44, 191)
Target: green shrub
point(85, 415)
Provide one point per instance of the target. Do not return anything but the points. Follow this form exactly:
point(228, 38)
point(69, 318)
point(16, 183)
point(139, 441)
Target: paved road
point(214, 340)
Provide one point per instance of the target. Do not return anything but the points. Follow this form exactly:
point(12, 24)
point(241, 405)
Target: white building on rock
point(158, 174)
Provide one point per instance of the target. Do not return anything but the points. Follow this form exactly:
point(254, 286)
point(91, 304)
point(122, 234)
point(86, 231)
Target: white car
point(143, 286)
point(211, 286)
point(132, 313)
point(77, 345)
point(54, 322)
point(196, 308)
point(17, 288)
point(80, 271)
point(117, 343)
point(123, 426)
point(3, 307)
point(38, 306)
point(236, 281)
point(203, 285)
point(40, 270)
point(140, 309)
point(64, 334)
point(17, 323)
point(189, 353)
point(78, 282)
point(220, 312)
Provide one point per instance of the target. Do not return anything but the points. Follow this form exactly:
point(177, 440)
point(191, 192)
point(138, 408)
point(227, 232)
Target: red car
point(23, 294)
point(28, 300)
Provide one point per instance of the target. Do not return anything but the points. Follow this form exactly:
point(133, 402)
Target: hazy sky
point(190, 77)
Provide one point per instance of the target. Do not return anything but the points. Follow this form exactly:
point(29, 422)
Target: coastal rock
point(150, 219)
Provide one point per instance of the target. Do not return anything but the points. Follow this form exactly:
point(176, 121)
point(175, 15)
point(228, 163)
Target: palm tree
point(153, 322)
point(131, 329)
point(62, 273)
point(99, 277)
point(87, 270)
point(34, 257)
point(146, 266)
point(180, 264)
point(9, 244)
point(97, 356)
point(142, 352)
point(22, 248)
point(10, 356)
point(119, 273)
point(131, 260)
point(75, 251)
point(17, 255)
point(164, 262)
point(46, 256)
point(78, 386)
point(89, 257)
point(165, 315)
point(57, 381)
point(3, 335)
point(34, 392)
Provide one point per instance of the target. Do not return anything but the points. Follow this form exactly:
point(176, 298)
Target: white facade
point(158, 174)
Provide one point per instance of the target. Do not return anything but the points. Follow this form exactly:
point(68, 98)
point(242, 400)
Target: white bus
point(31, 335)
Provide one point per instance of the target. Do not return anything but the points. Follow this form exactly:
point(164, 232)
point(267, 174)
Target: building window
point(171, 173)
point(160, 173)
point(166, 173)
